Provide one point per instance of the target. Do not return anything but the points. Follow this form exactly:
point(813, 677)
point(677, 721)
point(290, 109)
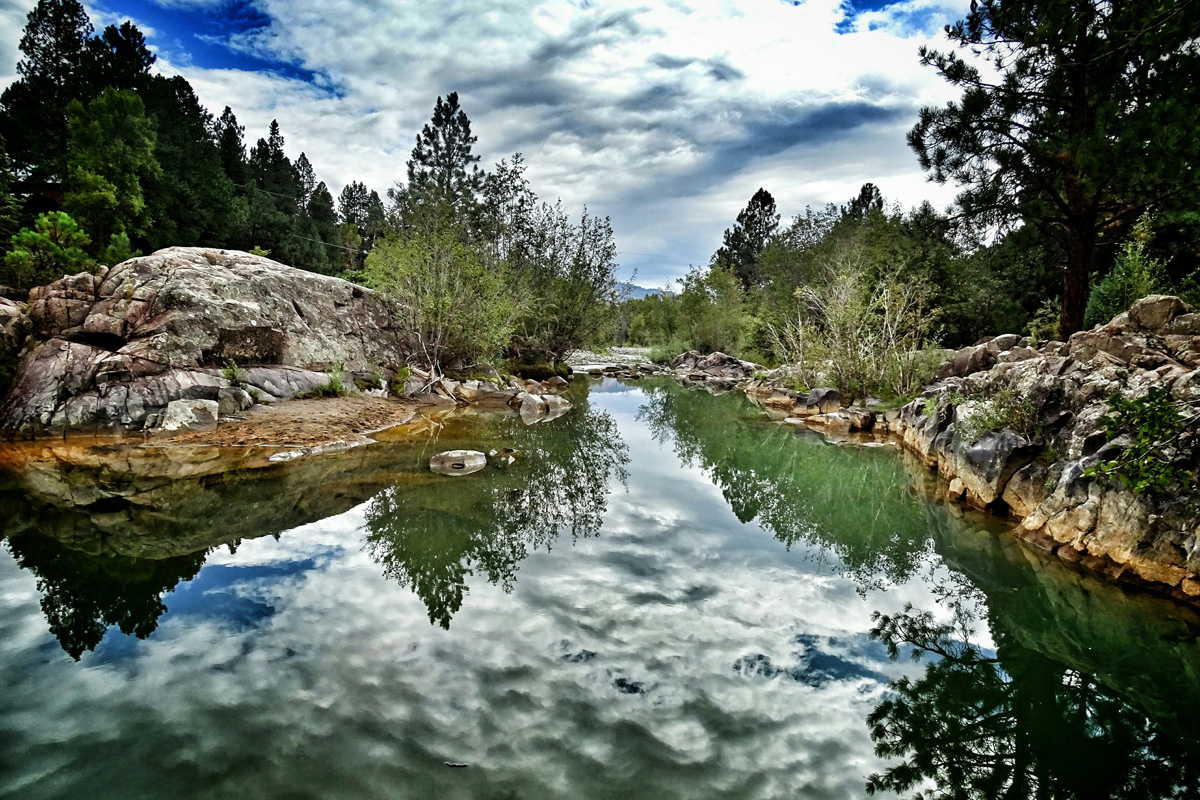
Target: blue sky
point(666, 115)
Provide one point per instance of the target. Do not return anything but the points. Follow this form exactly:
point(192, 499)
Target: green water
point(667, 595)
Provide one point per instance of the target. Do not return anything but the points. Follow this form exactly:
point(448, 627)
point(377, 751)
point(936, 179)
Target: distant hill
point(639, 292)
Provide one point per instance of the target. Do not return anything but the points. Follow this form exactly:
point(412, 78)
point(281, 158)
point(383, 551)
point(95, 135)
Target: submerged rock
point(458, 462)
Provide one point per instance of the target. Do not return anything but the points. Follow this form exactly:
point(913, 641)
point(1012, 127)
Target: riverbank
point(1016, 431)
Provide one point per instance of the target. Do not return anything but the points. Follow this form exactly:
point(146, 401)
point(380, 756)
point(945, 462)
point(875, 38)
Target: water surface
point(667, 595)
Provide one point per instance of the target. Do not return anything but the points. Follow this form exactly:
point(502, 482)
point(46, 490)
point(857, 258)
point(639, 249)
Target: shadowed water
point(666, 595)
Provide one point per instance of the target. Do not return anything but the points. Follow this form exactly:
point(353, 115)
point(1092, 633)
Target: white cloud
point(666, 114)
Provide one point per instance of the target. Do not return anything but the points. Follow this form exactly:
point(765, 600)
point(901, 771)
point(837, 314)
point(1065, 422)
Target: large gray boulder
point(120, 345)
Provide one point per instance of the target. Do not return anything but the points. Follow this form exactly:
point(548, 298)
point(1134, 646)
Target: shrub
point(459, 309)
point(234, 374)
point(1133, 276)
point(1157, 457)
point(1005, 409)
point(54, 248)
point(665, 353)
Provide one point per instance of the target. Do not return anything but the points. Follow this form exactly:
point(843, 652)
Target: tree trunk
point(1081, 247)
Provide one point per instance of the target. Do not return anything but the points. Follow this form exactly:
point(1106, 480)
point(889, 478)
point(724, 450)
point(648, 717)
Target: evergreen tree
point(746, 239)
point(111, 159)
point(193, 201)
point(1084, 116)
point(118, 59)
point(352, 205)
point(869, 201)
point(306, 180)
point(441, 168)
point(10, 205)
point(34, 118)
point(231, 148)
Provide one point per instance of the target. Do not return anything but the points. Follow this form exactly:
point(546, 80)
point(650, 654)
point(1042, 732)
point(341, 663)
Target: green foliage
point(259, 251)
point(713, 307)
point(441, 168)
point(664, 353)
point(1046, 324)
point(54, 248)
point(1004, 410)
point(743, 243)
point(337, 386)
point(111, 159)
point(233, 373)
point(1155, 457)
point(458, 307)
point(1133, 276)
point(1077, 115)
point(118, 250)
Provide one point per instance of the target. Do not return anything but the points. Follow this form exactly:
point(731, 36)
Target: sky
point(666, 115)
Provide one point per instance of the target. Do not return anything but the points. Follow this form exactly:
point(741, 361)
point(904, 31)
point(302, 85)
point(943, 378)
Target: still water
point(667, 595)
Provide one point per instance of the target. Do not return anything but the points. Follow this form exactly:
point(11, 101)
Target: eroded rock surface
point(1040, 477)
point(117, 347)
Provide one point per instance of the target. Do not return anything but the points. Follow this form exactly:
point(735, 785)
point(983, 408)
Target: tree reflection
point(855, 504)
point(83, 594)
point(1014, 724)
point(432, 533)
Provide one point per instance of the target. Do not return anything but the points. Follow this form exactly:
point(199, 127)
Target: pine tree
point(441, 168)
point(111, 160)
point(34, 118)
point(746, 239)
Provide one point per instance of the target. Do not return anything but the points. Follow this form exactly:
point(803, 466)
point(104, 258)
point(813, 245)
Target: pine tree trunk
point(1081, 247)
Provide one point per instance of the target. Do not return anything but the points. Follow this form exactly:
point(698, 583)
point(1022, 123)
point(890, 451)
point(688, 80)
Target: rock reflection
point(856, 504)
point(432, 533)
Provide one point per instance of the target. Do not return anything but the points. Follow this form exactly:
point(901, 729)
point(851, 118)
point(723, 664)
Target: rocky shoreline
point(189, 339)
point(1037, 478)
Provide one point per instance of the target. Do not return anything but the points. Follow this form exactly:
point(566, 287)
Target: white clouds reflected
point(666, 657)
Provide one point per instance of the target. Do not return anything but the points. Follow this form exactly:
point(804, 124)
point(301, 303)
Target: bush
point(1158, 455)
point(336, 386)
point(53, 249)
point(665, 353)
point(1006, 409)
point(234, 374)
point(459, 309)
point(1133, 276)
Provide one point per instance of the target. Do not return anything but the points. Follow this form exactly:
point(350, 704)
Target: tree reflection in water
point(1013, 724)
point(857, 505)
point(433, 533)
point(83, 594)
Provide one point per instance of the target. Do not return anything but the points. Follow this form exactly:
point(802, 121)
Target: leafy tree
point(457, 304)
point(119, 249)
point(1088, 120)
point(441, 167)
point(744, 242)
point(111, 158)
point(34, 119)
point(55, 247)
point(714, 305)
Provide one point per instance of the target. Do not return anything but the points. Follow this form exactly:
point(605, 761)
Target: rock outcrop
point(115, 348)
point(1039, 474)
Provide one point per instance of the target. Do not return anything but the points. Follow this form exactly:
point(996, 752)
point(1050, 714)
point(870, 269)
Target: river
point(665, 595)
